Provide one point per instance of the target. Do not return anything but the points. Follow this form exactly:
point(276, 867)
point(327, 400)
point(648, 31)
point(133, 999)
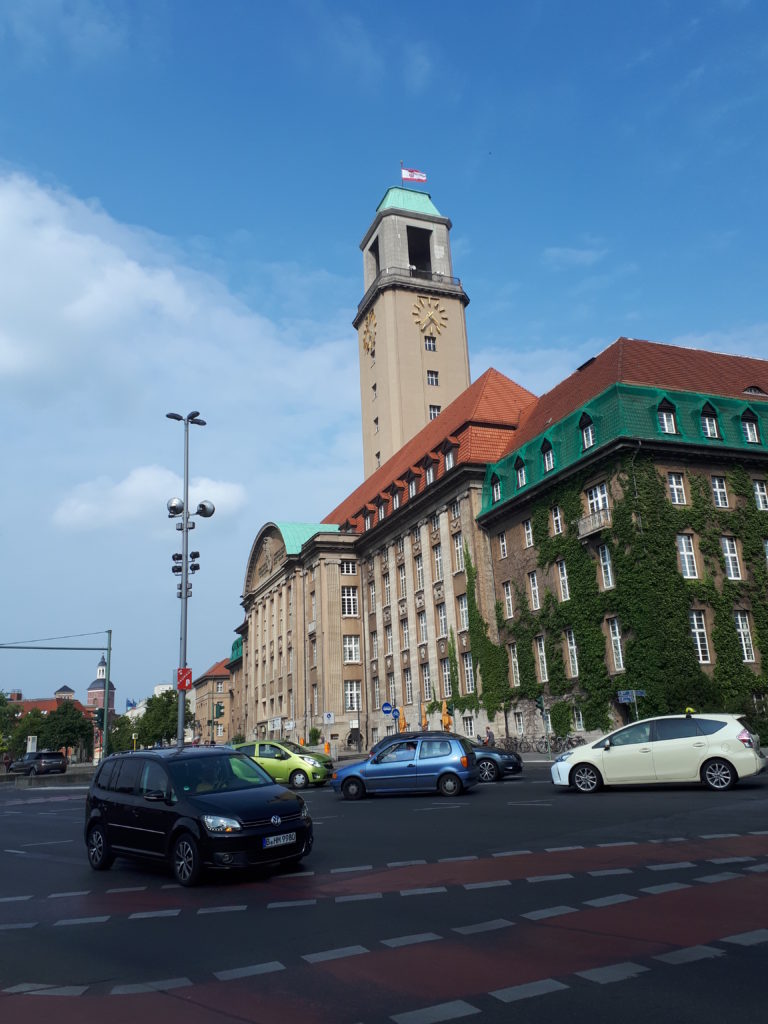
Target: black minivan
point(193, 808)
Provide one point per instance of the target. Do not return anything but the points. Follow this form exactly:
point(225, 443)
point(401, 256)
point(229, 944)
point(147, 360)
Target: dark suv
point(39, 762)
point(193, 808)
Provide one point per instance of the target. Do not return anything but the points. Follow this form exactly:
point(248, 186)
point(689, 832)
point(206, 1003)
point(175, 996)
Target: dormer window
point(367, 520)
point(381, 511)
point(666, 417)
point(709, 427)
point(495, 489)
point(520, 472)
point(395, 499)
point(548, 457)
point(749, 427)
point(429, 474)
point(450, 459)
point(587, 428)
point(412, 487)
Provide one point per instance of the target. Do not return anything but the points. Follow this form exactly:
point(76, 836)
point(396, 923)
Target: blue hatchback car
point(428, 764)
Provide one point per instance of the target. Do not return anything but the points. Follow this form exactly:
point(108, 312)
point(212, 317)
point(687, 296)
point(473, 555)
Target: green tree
point(159, 723)
point(121, 734)
point(7, 721)
point(34, 723)
point(67, 727)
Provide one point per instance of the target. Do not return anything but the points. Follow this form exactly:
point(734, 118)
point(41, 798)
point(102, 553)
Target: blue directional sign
point(639, 693)
point(625, 696)
point(395, 714)
point(386, 707)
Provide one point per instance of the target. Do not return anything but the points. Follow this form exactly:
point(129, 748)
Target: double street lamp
point(185, 563)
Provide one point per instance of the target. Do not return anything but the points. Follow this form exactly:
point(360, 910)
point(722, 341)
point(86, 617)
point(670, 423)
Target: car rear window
point(710, 725)
point(675, 728)
point(434, 748)
point(104, 774)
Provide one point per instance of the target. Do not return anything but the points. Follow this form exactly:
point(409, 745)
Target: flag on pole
point(411, 174)
point(129, 704)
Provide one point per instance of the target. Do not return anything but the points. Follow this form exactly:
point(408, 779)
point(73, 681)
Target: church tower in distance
point(412, 332)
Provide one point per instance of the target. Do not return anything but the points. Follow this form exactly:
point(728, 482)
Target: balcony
point(408, 277)
point(594, 522)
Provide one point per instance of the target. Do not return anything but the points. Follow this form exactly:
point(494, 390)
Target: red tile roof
point(217, 671)
point(46, 704)
point(648, 363)
point(480, 419)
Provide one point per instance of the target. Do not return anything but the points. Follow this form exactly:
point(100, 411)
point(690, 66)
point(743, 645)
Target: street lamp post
point(179, 507)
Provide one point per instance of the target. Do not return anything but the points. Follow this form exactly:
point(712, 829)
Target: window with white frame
point(388, 638)
point(578, 720)
point(745, 636)
point(502, 544)
point(426, 681)
point(455, 509)
point(313, 605)
point(514, 663)
point(430, 343)
point(731, 556)
point(597, 497)
point(606, 566)
point(573, 654)
point(588, 435)
point(395, 499)
point(374, 644)
point(699, 635)
point(348, 567)
point(565, 590)
point(450, 459)
point(391, 692)
point(761, 495)
point(495, 489)
point(219, 686)
point(367, 521)
point(509, 610)
point(442, 621)
point(402, 587)
point(709, 425)
point(548, 458)
point(422, 627)
point(749, 428)
point(437, 554)
point(412, 487)
point(468, 725)
point(405, 634)
point(351, 649)
point(313, 649)
point(666, 417)
point(463, 611)
point(458, 552)
point(687, 556)
point(432, 378)
point(528, 533)
point(445, 673)
point(387, 589)
point(408, 684)
point(676, 484)
point(349, 601)
point(315, 700)
point(614, 631)
point(419, 565)
point(519, 723)
point(372, 593)
point(429, 474)
point(353, 695)
point(557, 519)
point(469, 672)
point(533, 583)
point(376, 693)
point(434, 411)
point(719, 492)
point(400, 545)
point(541, 656)
point(520, 473)
point(382, 510)
point(435, 521)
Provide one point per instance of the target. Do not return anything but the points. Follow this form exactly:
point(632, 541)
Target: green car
point(288, 763)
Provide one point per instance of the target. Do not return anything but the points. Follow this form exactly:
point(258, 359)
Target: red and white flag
point(410, 174)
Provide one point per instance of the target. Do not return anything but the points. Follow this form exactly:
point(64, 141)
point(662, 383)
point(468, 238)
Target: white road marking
point(690, 955)
point(488, 885)
point(11, 927)
point(547, 878)
point(404, 863)
point(723, 876)
point(511, 853)
point(63, 895)
point(730, 860)
point(748, 938)
point(150, 986)
point(357, 867)
point(609, 901)
point(616, 972)
point(436, 1014)
point(80, 920)
point(604, 872)
point(64, 990)
point(423, 892)
point(13, 899)
point(51, 842)
point(291, 903)
point(222, 910)
point(299, 874)
point(656, 890)
point(561, 849)
point(674, 839)
point(529, 803)
point(607, 846)
point(671, 867)
point(528, 991)
point(758, 868)
point(452, 860)
point(721, 835)
point(410, 940)
point(129, 888)
point(334, 954)
point(359, 896)
point(250, 971)
point(22, 852)
point(484, 926)
point(154, 913)
point(541, 915)
point(23, 987)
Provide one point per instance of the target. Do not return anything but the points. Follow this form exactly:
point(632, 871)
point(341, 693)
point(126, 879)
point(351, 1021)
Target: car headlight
point(564, 756)
point(304, 811)
point(215, 823)
point(312, 761)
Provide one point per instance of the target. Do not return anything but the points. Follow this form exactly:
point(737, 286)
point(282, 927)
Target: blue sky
point(183, 190)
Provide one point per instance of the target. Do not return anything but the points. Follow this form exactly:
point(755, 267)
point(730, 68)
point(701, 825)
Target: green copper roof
point(409, 200)
point(297, 534)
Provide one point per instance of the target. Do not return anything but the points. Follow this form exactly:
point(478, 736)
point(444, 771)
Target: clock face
point(429, 315)
point(369, 332)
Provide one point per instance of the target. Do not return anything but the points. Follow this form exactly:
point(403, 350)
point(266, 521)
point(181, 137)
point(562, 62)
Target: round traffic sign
point(386, 707)
point(396, 714)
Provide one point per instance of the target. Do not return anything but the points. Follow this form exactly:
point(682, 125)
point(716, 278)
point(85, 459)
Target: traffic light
point(540, 703)
point(98, 719)
point(218, 710)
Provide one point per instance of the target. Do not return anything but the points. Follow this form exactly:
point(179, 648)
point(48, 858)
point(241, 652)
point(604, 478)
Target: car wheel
point(100, 857)
point(185, 860)
point(449, 785)
point(586, 778)
point(352, 789)
point(299, 779)
point(718, 774)
point(488, 770)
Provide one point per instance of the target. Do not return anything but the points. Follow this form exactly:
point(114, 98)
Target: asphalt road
point(514, 899)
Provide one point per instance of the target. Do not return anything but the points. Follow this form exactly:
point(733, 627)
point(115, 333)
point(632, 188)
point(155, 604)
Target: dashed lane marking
point(512, 853)
point(484, 926)
point(455, 860)
point(334, 954)
point(250, 971)
point(542, 915)
point(411, 940)
point(615, 972)
point(723, 876)
point(423, 892)
point(284, 904)
point(64, 895)
point(66, 921)
point(64, 990)
point(534, 988)
point(129, 888)
point(690, 955)
point(498, 883)
point(358, 896)
point(678, 865)
point(748, 938)
point(11, 927)
point(548, 878)
point(164, 985)
point(404, 863)
point(610, 901)
point(657, 890)
point(454, 1010)
point(561, 849)
point(223, 910)
point(356, 867)
point(143, 914)
point(13, 899)
point(604, 872)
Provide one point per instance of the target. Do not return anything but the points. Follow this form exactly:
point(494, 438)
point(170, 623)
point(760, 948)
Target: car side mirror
point(155, 795)
point(607, 745)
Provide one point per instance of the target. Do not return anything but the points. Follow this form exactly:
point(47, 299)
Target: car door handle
point(701, 743)
point(645, 750)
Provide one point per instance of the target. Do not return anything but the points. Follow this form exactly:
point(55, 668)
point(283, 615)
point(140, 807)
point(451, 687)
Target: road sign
point(386, 707)
point(183, 678)
point(328, 717)
point(639, 693)
point(625, 696)
point(395, 713)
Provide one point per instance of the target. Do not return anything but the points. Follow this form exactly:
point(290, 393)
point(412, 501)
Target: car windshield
point(221, 774)
point(294, 747)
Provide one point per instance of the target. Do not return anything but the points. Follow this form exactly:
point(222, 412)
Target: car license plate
point(281, 840)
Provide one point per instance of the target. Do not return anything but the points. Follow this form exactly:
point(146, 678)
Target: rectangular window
point(432, 378)
point(615, 633)
point(391, 694)
point(528, 533)
point(449, 460)
point(445, 672)
point(514, 664)
point(687, 556)
point(749, 429)
point(699, 634)
point(458, 552)
point(573, 654)
point(496, 490)
point(502, 545)
point(666, 421)
point(401, 584)
point(408, 683)
point(351, 649)
point(400, 545)
point(549, 460)
point(387, 589)
point(557, 520)
point(719, 492)
point(455, 510)
point(519, 724)
point(469, 673)
point(376, 693)
point(761, 495)
point(438, 556)
point(426, 681)
point(578, 720)
point(430, 343)
point(606, 566)
point(468, 725)
point(353, 695)
point(442, 621)
point(745, 636)
point(463, 612)
point(374, 644)
point(367, 521)
point(382, 510)
point(597, 497)
point(372, 594)
point(422, 627)
point(588, 435)
point(349, 601)
point(405, 634)
point(508, 607)
point(314, 652)
point(534, 585)
point(435, 521)
point(731, 555)
point(521, 476)
point(676, 488)
point(429, 475)
point(419, 572)
point(541, 655)
point(315, 701)
point(709, 426)
point(565, 592)
point(348, 568)
point(388, 638)
point(395, 500)
point(412, 487)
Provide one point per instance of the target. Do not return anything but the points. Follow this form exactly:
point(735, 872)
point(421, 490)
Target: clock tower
point(412, 332)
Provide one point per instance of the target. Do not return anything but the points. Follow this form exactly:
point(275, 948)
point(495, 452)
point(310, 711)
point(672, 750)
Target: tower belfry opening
point(419, 253)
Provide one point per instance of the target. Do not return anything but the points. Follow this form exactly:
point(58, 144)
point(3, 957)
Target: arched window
point(709, 425)
point(665, 414)
point(750, 428)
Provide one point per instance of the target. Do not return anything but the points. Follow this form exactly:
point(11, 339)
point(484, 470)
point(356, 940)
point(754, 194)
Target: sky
point(184, 185)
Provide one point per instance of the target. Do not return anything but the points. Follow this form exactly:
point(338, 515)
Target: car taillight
point(465, 762)
point(745, 737)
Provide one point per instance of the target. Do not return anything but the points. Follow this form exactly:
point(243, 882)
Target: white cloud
point(560, 257)
point(88, 29)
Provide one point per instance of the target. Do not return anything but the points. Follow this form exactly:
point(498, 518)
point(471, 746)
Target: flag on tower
point(411, 174)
